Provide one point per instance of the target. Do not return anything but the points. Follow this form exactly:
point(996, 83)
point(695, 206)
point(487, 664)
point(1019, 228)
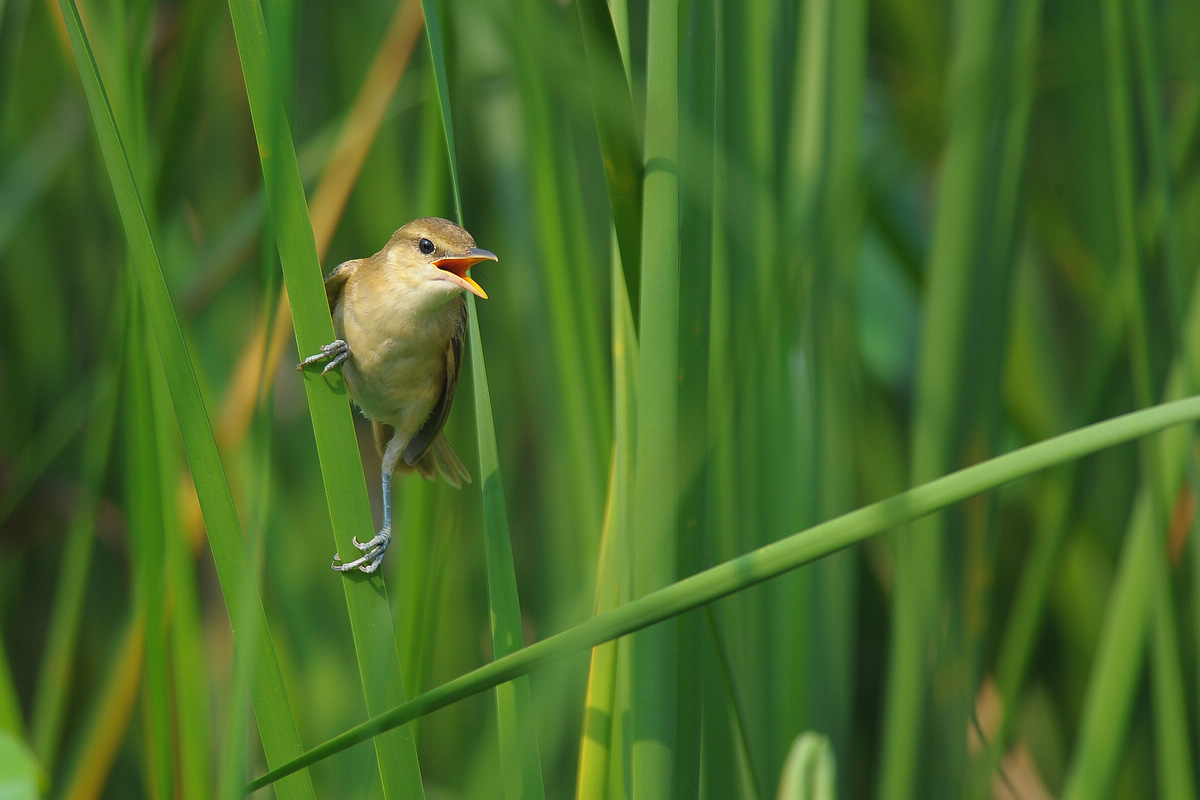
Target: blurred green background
point(879, 242)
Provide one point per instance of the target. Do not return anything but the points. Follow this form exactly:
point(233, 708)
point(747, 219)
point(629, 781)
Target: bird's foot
point(335, 353)
point(372, 553)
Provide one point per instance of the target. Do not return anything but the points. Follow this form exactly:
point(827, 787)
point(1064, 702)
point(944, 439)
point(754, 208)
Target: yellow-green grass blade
point(771, 561)
point(521, 767)
point(604, 705)
point(10, 707)
point(600, 699)
point(21, 776)
point(280, 739)
point(810, 772)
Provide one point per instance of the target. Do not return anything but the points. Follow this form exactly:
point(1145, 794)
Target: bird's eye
point(425, 246)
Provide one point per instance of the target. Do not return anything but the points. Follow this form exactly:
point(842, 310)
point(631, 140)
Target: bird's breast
point(397, 369)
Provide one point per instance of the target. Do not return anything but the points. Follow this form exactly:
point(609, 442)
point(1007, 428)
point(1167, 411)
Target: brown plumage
point(400, 320)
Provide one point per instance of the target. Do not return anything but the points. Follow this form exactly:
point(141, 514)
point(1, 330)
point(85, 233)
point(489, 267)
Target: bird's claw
point(372, 553)
point(336, 352)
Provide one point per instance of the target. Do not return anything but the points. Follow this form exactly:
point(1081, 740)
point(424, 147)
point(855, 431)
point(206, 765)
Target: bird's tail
point(442, 458)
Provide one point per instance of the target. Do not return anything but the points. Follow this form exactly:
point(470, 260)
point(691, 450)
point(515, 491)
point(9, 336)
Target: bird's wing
point(419, 445)
point(383, 434)
point(335, 281)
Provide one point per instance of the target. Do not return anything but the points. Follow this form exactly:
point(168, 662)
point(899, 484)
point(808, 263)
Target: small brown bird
point(400, 320)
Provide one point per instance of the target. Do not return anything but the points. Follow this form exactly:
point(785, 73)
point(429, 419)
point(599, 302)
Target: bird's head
point(435, 254)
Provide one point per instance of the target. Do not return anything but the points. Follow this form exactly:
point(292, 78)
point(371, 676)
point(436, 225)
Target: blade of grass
point(765, 629)
point(10, 706)
point(600, 749)
point(612, 104)
point(519, 760)
point(596, 747)
point(921, 566)
point(183, 716)
point(54, 674)
point(359, 132)
point(1173, 740)
point(810, 772)
point(521, 766)
point(723, 733)
point(147, 520)
point(33, 170)
point(824, 162)
point(655, 654)
point(341, 467)
point(44, 447)
point(768, 562)
point(105, 725)
point(1117, 667)
point(1104, 723)
point(698, 142)
point(278, 729)
point(582, 423)
point(190, 679)
point(741, 780)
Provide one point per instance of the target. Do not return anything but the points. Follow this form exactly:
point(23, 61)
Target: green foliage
point(775, 279)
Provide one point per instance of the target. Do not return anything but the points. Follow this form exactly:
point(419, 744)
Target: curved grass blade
point(280, 739)
point(767, 562)
point(337, 446)
point(809, 772)
point(520, 762)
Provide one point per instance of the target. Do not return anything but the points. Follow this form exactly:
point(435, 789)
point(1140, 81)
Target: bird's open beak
point(457, 267)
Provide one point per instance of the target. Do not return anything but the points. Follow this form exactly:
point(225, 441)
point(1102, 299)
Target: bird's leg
point(335, 352)
point(374, 548)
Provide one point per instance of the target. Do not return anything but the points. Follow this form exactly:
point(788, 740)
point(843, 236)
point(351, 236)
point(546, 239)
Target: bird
point(400, 318)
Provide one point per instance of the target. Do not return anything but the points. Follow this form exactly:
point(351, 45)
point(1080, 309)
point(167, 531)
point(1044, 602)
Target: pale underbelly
point(396, 387)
